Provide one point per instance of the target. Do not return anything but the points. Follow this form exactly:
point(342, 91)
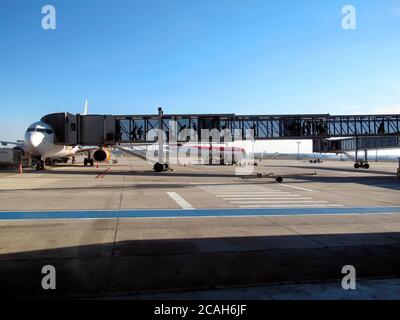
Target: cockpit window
point(48, 131)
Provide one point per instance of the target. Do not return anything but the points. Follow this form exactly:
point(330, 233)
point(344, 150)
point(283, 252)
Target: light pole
point(298, 150)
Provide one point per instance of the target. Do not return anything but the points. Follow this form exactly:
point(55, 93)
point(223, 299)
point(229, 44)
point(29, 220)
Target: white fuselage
point(39, 142)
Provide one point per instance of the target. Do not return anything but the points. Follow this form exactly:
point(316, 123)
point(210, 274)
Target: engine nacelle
point(101, 155)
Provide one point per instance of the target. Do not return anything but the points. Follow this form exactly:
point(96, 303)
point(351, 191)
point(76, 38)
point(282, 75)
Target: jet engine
point(101, 155)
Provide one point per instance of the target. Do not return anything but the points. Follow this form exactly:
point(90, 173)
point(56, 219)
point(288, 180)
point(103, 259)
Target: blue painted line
point(45, 215)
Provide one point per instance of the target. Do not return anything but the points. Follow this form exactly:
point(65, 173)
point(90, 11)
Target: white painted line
point(290, 206)
point(180, 201)
point(237, 187)
point(242, 189)
point(259, 195)
point(261, 199)
point(217, 184)
point(277, 201)
point(245, 189)
point(298, 188)
point(251, 193)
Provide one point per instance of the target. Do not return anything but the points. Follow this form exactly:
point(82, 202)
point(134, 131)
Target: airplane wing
point(136, 152)
point(83, 150)
point(6, 143)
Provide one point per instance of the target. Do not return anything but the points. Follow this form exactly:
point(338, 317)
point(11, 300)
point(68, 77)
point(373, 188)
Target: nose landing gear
point(88, 161)
point(40, 165)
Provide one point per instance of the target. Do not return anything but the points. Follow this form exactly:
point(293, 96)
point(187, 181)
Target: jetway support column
point(160, 165)
point(398, 170)
point(160, 136)
point(356, 150)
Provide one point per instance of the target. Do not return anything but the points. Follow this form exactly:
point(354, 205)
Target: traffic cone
point(20, 168)
point(97, 165)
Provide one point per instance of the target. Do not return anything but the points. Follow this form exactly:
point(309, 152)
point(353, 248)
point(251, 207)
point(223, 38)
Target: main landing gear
point(159, 167)
point(361, 164)
point(88, 161)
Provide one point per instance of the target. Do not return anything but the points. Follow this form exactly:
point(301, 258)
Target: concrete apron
point(164, 265)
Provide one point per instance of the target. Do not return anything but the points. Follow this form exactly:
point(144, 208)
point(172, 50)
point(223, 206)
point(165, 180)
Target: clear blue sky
point(197, 56)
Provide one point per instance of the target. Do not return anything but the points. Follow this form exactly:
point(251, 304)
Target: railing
point(354, 144)
point(135, 129)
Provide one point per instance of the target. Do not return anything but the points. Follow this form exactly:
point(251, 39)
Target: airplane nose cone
point(35, 139)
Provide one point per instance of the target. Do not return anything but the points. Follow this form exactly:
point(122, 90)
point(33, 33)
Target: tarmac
point(124, 231)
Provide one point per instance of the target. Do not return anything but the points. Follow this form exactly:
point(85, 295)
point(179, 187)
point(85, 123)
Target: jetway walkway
point(354, 144)
point(115, 129)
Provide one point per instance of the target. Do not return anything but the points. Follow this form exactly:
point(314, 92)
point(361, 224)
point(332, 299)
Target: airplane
point(188, 153)
point(38, 145)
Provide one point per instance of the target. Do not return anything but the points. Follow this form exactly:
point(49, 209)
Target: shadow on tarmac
point(200, 263)
point(389, 182)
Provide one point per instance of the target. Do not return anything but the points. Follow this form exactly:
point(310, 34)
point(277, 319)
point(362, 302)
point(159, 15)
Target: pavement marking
point(260, 196)
point(199, 213)
point(180, 201)
point(290, 206)
point(101, 175)
point(244, 191)
point(252, 193)
point(206, 184)
point(237, 186)
point(299, 188)
point(275, 201)
point(265, 198)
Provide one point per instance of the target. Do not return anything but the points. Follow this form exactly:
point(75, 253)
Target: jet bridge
point(356, 144)
point(115, 129)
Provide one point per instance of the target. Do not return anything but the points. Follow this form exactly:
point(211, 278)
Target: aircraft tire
point(158, 167)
